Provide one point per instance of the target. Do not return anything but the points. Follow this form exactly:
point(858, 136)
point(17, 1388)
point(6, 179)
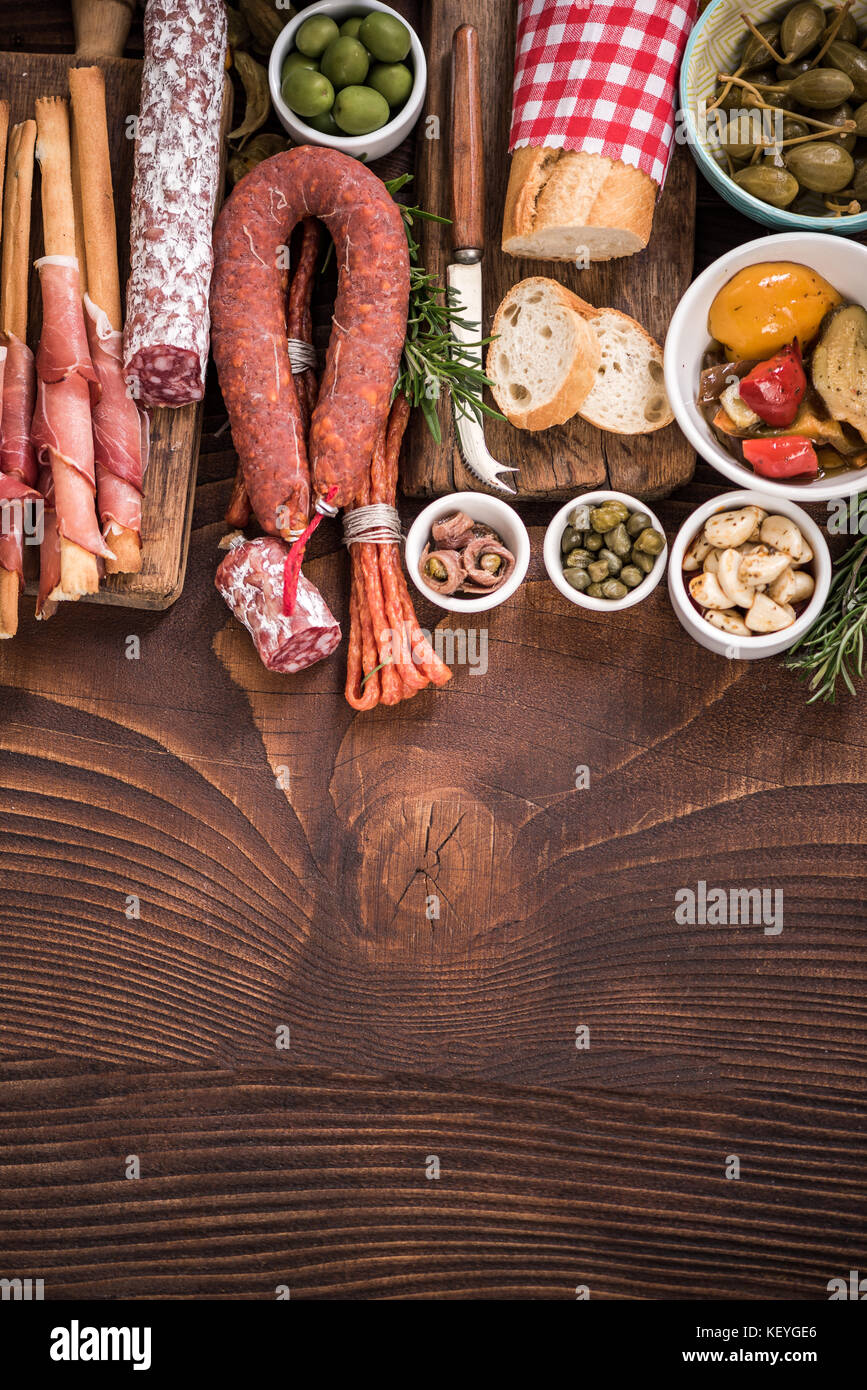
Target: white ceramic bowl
point(491, 512)
point(553, 558)
point(842, 262)
point(723, 643)
point(367, 147)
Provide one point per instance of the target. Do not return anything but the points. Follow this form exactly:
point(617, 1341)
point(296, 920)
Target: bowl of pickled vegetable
point(348, 76)
point(773, 97)
point(605, 551)
point(766, 365)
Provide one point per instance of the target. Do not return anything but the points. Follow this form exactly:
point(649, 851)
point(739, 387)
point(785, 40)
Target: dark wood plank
point(255, 1179)
point(561, 461)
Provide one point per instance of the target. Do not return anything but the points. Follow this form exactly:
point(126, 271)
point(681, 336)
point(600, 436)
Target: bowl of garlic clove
point(748, 574)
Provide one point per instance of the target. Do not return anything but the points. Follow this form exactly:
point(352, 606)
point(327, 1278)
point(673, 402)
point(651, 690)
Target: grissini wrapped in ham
point(120, 427)
point(65, 404)
point(18, 474)
point(63, 349)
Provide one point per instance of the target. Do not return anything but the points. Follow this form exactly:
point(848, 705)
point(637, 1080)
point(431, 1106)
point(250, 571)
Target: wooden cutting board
point(167, 504)
point(558, 461)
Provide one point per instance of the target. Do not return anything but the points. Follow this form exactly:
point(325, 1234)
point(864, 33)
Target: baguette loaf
point(565, 205)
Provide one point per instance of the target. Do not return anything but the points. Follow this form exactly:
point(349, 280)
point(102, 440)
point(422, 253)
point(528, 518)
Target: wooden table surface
point(220, 955)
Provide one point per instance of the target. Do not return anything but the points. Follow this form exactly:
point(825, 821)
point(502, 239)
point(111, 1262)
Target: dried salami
point(177, 170)
point(250, 578)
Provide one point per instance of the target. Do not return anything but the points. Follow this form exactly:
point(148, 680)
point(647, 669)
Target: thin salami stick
point(119, 429)
point(361, 693)
point(238, 510)
point(388, 561)
point(67, 399)
point(299, 317)
point(391, 685)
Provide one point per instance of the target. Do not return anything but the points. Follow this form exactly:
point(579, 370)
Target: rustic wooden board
point(554, 462)
point(175, 434)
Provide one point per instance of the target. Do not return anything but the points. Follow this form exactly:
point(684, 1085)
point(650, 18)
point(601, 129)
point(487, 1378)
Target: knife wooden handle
point(467, 171)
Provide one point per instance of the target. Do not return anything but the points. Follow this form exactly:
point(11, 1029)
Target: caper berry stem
point(765, 106)
point(833, 31)
point(761, 38)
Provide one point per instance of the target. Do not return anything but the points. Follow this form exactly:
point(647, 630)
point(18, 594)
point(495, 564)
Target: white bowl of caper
point(605, 551)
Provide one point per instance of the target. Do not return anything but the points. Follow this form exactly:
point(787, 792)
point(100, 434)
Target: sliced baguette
point(628, 393)
point(545, 355)
point(565, 205)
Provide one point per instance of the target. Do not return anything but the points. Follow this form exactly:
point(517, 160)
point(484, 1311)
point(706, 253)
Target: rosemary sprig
point(833, 648)
point(433, 360)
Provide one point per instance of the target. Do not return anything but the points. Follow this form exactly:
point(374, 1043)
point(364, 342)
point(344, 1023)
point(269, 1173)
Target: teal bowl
point(714, 46)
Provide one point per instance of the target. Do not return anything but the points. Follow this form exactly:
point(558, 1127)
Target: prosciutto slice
point(17, 455)
point(63, 349)
point(63, 433)
point(121, 430)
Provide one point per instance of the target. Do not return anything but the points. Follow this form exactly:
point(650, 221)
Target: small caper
point(614, 562)
point(579, 579)
point(570, 538)
point(650, 542)
point(637, 523)
point(618, 541)
point(631, 576)
point(594, 591)
point(612, 588)
point(578, 559)
point(579, 517)
point(642, 561)
point(598, 570)
point(436, 569)
point(491, 563)
point(607, 516)
point(593, 540)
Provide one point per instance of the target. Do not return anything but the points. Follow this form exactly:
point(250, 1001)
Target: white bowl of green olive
point(605, 551)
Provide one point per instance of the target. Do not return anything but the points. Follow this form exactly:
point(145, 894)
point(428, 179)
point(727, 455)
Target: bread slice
point(565, 205)
point(628, 394)
point(545, 354)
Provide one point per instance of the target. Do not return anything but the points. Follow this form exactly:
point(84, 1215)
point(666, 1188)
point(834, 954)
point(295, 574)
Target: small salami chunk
point(177, 170)
point(250, 578)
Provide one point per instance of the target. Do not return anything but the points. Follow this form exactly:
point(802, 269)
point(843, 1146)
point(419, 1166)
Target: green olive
point(360, 110)
point(579, 579)
point(315, 34)
point(325, 124)
point(579, 558)
point(631, 576)
point(650, 542)
point(613, 589)
point(801, 29)
point(345, 63)
point(350, 27)
point(822, 166)
point(851, 61)
point(385, 37)
point(618, 540)
point(392, 80)
point(768, 183)
point(607, 516)
point(821, 89)
point(594, 591)
point(598, 570)
point(297, 60)
point(308, 93)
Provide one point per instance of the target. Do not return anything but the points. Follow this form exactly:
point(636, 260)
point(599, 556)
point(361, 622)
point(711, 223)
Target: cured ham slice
point(17, 455)
point(120, 428)
point(65, 435)
point(63, 347)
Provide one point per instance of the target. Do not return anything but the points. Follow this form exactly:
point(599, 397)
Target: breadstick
point(8, 579)
point(79, 573)
point(92, 172)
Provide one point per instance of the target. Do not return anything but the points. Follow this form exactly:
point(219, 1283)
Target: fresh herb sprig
point(433, 359)
point(833, 648)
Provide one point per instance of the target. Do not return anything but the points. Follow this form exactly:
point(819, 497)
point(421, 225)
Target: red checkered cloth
point(600, 77)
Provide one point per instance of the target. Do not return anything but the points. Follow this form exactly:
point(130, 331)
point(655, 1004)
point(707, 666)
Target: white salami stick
point(119, 431)
point(65, 402)
point(177, 170)
point(18, 473)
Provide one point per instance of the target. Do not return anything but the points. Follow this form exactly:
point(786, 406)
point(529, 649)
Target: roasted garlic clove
point(728, 622)
point(763, 566)
point(705, 589)
point(728, 566)
point(792, 586)
point(767, 616)
point(695, 553)
point(781, 533)
point(731, 529)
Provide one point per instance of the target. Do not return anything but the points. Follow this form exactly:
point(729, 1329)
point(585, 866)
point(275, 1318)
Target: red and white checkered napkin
point(600, 77)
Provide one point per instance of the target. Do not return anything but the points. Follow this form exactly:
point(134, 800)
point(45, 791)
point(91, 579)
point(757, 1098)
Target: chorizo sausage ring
point(248, 308)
